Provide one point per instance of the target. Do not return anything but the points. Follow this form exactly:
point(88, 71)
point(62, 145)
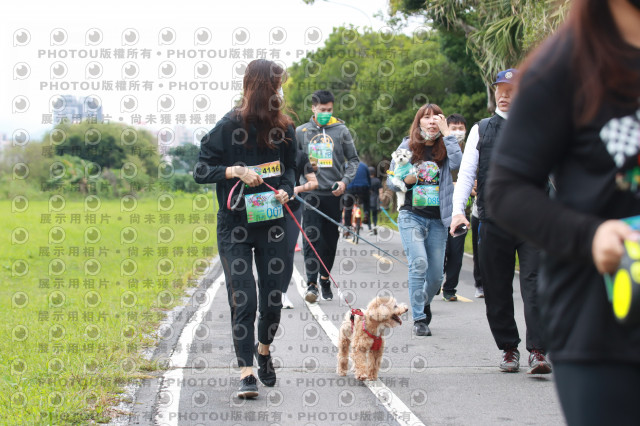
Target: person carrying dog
point(252, 145)
point(329, 145)
point(426, 213)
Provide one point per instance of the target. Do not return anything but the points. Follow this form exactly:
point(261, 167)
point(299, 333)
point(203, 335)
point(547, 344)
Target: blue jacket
point(451, 162)
point(362, 178)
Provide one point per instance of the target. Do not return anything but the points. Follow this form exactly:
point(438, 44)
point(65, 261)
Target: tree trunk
point(491, 99)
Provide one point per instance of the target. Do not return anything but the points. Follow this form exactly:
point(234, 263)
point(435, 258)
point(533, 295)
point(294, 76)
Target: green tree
point(105, 144)
point(185, 156)
point(499, 33)
point(379, 81)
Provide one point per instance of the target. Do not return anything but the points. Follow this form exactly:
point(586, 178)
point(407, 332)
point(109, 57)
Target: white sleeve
point(467, 172)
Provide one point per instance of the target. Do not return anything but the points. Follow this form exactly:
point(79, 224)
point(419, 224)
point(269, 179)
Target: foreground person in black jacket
point(577, 118)
point(252, 145)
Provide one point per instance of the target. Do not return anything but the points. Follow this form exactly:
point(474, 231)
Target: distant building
point(5, 141)
point(77, 109)
point(183, 135)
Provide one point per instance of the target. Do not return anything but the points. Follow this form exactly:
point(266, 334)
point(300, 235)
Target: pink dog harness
point(377, 340)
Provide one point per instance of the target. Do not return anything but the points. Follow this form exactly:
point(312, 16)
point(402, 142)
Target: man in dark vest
point(497, 248)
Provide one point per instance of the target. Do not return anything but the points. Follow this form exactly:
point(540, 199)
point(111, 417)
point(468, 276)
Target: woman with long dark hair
point(251, 146)
point(426, 213)
point(577, 118)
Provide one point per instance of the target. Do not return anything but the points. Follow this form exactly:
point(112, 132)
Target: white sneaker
point(479, 292)
point(286, 303)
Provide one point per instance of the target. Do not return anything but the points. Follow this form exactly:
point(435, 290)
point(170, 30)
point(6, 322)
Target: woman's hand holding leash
point(248, 176)
point(282, 196)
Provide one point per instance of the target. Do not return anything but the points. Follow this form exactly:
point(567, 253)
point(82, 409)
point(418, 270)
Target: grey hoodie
point(345, 156)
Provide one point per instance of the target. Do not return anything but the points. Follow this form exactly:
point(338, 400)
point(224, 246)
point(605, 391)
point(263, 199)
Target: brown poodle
point(363, 332)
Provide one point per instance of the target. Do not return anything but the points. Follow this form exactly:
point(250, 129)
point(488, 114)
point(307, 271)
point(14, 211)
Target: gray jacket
point(451, 162)
point(345, 156)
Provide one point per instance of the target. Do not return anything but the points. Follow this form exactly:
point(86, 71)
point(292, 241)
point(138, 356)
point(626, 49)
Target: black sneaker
point(248, 387)
point(266, 372)
point(427, 312)
point(311, 295)
point(421, 328)
point(325, 285)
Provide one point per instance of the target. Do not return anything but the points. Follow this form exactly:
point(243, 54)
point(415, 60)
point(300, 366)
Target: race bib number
point(321, 153)
point(262, 206)
point(426, 196)
point(267, 170)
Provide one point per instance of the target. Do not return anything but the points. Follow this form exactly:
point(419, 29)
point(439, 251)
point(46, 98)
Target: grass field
point(83, 289)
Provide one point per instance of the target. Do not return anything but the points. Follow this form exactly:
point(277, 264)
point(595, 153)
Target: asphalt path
point(450, 378)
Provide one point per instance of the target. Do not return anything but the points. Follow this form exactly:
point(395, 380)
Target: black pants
point(453, 263)
point(497, 261)
point(477, 275)
point(322, 233)
point(363, 196)
point(598, 393)
point(375, 208)
point(292, 237)
point(238, 247)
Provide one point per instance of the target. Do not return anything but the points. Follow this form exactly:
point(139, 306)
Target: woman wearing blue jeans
point(425, 216)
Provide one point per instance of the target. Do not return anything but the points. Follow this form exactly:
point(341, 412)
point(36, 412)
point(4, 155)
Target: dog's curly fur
point(382, 312)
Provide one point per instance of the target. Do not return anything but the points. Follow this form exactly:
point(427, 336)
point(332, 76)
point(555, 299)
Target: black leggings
point(598, 393)
point(235, 245)
point(322, 233)
point(374, 213)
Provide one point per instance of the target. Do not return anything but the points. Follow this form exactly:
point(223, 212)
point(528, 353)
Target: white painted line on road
point(382, 258)
point(389, 400)
point(171, 382)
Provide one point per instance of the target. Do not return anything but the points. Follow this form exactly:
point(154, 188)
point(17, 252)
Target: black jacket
point(228, 144)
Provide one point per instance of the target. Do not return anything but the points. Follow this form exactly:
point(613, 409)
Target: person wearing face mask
point(589, 71)
point(248, 154)
point(455, 245)
point(332, 153)
point(426, 213)
point(497, 247)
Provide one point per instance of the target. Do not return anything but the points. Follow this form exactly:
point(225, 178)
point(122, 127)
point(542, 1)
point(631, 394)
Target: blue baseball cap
point(506, 76)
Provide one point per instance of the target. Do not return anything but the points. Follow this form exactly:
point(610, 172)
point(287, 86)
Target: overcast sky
point(57, 28)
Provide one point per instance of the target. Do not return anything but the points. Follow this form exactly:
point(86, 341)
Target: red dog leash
point(376, 343)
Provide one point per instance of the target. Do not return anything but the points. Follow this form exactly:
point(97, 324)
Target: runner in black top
point(252, 145)
point(577, 117)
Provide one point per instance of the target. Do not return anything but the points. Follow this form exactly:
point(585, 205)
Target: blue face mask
point(281, 92)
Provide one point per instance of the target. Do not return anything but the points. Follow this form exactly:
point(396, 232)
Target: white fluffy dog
point(403, 167)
